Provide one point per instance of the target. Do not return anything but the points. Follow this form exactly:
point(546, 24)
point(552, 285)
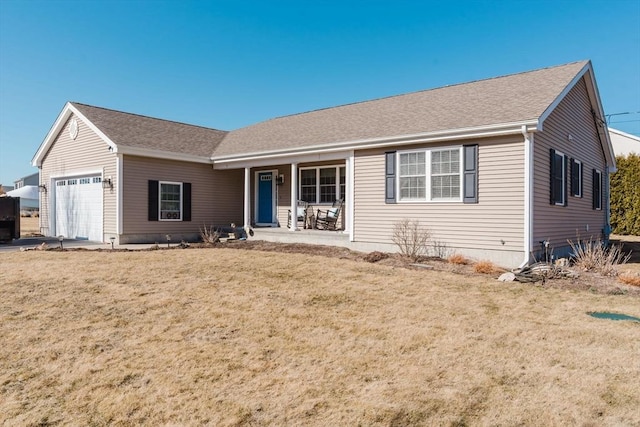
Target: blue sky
point(227, 64)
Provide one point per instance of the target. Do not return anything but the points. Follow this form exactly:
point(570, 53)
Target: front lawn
point(236, 337)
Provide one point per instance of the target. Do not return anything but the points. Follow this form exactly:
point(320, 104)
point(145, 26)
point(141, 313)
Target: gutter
point(448, 135)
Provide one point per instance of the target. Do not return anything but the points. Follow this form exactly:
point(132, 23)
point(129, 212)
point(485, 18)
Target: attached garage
point(78, 207)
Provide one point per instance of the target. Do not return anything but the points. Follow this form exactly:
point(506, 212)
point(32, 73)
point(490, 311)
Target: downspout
point(528, 195)
point(247, 198)
point(119, 196)
point(607, 204)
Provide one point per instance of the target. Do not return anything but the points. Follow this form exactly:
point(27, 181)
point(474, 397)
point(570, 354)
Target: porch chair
point(301, 213)
point(328, 219)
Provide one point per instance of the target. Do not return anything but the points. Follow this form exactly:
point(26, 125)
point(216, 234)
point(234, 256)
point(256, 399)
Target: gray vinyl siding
point(495, 223)
point(217, 197)
point(560, 223)
point(87, 153)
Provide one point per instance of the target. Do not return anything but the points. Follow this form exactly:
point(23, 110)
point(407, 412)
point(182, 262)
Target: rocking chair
point(301, 214)
point(328, 219)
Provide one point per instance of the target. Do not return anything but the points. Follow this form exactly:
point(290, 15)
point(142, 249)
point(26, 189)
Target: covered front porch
point(274, 189)
point(311, 237)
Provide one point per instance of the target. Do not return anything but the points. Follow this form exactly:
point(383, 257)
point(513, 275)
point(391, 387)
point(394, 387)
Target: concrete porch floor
point(312, 237)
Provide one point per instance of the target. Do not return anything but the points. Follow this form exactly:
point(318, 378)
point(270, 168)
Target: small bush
point(375, 256)
point(440, 249)
point(594, 255)
point(457, 259)
point(629, 278)
point(485, 267)
point(411, 238)
point(209, 235)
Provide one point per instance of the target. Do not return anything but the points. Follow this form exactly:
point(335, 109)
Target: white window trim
point(160, 201)
point(599, 173)
point(564, 179)
point(339, 195)
point(580, 175)
point(428, 152)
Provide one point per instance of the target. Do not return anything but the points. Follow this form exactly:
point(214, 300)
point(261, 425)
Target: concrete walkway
point(52, 242)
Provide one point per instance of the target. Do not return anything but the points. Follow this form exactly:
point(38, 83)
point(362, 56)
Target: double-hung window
point(170, 201)
point(324, 184)
point(413, 178)
point(430, 175)
point(445, 174)
point(576, 178)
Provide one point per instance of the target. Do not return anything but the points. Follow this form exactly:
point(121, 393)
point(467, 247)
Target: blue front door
point(265, 197)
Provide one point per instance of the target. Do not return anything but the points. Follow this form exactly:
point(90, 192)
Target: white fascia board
point(596, 104)
point(64, 115)
point(269, 160)
point(342, 149)
point(157, 154)
point(625, 134)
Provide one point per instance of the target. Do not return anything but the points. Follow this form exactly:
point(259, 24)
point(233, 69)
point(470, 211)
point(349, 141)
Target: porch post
point(294, 197)
point(247, 197)
point(350, 199)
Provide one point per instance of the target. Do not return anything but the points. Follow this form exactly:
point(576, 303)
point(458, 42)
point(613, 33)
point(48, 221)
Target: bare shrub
point(440, 249)
point(375, 256)
point(629, 278)
point(486, 267)
point(458, 259)
point(209, 235)
point(594, 255)
point(411, 238)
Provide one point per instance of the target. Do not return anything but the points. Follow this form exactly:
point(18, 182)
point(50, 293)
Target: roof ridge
point(422, 91)
point(147, 117)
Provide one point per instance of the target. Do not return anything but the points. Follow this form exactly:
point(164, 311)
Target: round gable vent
point(73, 129)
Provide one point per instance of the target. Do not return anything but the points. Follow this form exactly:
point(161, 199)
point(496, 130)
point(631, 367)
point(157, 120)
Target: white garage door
point(79, 208)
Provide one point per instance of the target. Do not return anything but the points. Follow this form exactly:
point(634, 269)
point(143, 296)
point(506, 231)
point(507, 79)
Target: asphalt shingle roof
point(500, 100)
point(507, 99)
point(133, 130)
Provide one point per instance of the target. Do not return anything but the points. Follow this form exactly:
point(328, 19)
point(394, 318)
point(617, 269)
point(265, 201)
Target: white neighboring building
point(624, 143)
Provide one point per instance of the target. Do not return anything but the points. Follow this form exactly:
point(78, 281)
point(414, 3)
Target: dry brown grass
point(231, 337)
point(458, 259)
point(486, 267)
point(629, 278)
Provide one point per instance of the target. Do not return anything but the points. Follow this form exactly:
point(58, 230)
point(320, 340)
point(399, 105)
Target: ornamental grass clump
point(485, 267)
point(209, 235)
point(629, 278)
point(457, 259)
point(596, 256)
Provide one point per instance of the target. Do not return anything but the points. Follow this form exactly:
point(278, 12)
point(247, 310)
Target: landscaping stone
point(507, 277)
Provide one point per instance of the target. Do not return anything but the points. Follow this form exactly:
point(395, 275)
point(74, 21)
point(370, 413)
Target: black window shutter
point(566, 181)
point(597, 190)
point(552, 187)
point(153, 200)
point(186, 201)
point(582, 180)
point(558, 181)
point(390, 177)
point(471, 174)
